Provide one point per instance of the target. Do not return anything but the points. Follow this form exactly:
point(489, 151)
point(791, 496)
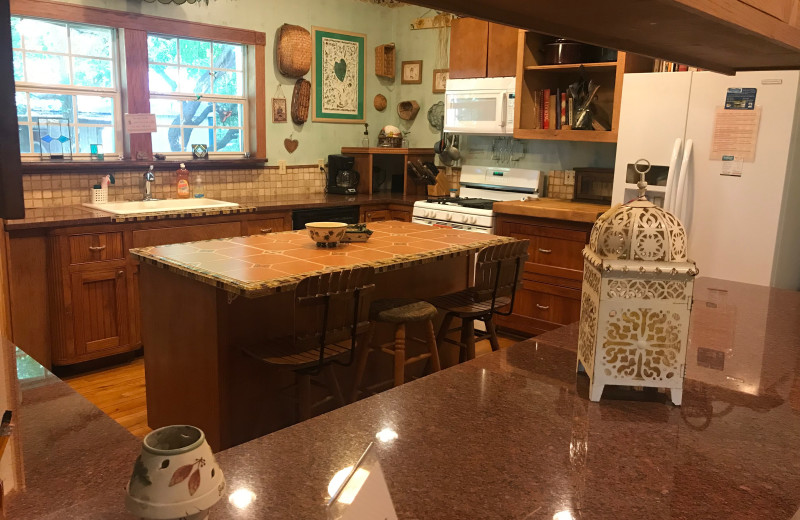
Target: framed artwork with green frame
point(338, 77)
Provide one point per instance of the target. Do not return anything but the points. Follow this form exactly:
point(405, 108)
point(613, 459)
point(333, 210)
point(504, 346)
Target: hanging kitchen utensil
point(417, 174)
point(408, 110)
point(379, 102)
point(451, 150)
point(293, 53)
point(436, 116)
point(291, 144)
point(301, 97)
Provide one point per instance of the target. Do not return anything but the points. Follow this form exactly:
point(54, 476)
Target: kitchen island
point(202, 301)
point(510, 435)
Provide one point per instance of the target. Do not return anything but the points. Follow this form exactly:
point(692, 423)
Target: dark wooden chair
point(498, 275)
point(331, 315)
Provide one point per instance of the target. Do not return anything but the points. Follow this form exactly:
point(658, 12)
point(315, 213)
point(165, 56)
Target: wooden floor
point(120, 391)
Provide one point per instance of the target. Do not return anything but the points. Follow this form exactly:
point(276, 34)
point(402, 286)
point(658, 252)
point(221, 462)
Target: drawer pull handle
point(266, 230)
point(543, 307)
point(120, 274)
point(545, 251)
point(96, 248)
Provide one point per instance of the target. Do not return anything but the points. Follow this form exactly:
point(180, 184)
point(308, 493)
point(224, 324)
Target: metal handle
point(545, 251)
point(543, 307)
point(369, 215)
point(120, 274)
point(96, 248)
point(504, 110)
point(266, 230)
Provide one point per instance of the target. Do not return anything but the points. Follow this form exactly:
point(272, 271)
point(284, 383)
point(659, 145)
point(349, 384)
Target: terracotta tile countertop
point(259, 265)
point(510, 435)
point(62, 216)
point(552, 208)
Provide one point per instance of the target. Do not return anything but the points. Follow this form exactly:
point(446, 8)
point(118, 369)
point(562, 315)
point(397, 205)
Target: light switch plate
point(321, 164)
point(282, 167)
point(569, 177)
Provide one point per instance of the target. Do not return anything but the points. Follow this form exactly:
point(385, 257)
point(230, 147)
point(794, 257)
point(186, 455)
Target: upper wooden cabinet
point(480, 49)
point(720, 35)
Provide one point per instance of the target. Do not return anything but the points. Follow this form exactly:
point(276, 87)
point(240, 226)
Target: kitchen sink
point(150, 206)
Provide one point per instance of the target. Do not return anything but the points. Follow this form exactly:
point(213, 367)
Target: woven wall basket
point(408, 110)
point(301, 97)
point(293, 51)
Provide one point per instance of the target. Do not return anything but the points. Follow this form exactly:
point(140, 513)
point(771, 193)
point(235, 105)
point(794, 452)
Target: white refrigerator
point(743, 228)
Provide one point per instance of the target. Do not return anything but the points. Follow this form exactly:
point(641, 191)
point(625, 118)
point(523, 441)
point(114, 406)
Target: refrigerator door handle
point(681, 205)
point(672, 176)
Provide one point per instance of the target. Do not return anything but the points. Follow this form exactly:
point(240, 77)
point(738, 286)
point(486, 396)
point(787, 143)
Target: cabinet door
point(539, 307)
point(401, 215)
point(502, 51)
point(267, 225)
point(469, 39)
point(780, 9)
point(377, 215)
point(100, 310)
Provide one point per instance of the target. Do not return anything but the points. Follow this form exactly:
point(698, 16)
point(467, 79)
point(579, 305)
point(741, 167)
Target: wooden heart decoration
point(340, 69)
point(291, 144)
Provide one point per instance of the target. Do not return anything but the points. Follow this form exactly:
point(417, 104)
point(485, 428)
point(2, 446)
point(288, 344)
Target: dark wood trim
point(135, 21)
point(138, 89)
point(12, 204)
point(115, 166)
point(261, 102)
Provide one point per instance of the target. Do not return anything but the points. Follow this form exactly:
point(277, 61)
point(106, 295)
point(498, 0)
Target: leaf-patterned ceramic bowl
point(175, 476)
point(326, 234)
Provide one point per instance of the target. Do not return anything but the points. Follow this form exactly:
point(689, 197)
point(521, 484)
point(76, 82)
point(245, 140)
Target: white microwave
point(480, 106)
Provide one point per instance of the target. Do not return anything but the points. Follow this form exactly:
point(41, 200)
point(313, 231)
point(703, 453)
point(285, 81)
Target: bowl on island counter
point(326, 234)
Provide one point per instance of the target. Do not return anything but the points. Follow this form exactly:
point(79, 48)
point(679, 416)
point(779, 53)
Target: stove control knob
point(448, 216)
point(465, 219)
point(473, 220)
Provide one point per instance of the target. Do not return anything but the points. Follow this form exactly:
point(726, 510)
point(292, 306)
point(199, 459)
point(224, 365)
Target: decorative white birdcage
point(636, 300)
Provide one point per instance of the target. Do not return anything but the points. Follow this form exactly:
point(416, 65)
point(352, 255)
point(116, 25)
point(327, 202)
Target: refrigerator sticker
point(732, 166)
point(740, 99)
point(735, 133)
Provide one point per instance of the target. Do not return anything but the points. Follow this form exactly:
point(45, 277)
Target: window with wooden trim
point(197, 92)
point(66, 72)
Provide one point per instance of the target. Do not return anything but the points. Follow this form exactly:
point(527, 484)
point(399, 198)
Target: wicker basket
point(293, 51)
point(408, 110)
point(380, 102)
point(301, 98)
point(384, 60)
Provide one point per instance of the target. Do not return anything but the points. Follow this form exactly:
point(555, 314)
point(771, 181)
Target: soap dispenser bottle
point(183, 182)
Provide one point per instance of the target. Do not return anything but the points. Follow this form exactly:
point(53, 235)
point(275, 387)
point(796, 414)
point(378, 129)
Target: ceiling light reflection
point(563, 515)
point(386, 435)
point(241, 498)
point(353, 486)
point(337, 480)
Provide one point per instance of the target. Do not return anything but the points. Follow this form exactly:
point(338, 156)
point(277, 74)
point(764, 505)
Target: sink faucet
point(147, 180)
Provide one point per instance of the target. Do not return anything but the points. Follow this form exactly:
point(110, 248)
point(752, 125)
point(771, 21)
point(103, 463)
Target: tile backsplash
point(52, 190)
point(557, 188)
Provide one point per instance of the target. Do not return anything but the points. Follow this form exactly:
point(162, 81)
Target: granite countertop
point(552, 208)
point(63, 216)
point(259, 265)
point(510, 435)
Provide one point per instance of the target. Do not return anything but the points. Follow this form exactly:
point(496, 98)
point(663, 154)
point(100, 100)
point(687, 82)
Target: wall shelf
point(574, 66)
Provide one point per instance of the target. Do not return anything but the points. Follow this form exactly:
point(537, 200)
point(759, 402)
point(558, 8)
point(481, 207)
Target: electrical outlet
point(569, 177)
point(321, 164)
point(282, 167)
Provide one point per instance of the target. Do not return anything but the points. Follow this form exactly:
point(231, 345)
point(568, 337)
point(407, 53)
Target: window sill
point(115, 165)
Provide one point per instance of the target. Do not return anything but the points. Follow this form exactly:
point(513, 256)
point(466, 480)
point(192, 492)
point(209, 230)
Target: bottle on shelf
point(183, 182)
point(365, 139)
point(198, 187)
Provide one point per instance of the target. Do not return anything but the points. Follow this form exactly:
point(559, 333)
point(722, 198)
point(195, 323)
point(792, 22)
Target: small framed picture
point(412, 72)
point(440, 80)
point(279, 110)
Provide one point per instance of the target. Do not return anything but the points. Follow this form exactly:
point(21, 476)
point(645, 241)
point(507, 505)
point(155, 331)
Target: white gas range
point(481, 187)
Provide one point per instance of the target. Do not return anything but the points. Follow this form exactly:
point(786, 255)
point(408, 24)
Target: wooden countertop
point(260, 265)
point(552, 208)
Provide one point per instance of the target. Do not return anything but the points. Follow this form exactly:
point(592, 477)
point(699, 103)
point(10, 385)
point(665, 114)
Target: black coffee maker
point(342, 178)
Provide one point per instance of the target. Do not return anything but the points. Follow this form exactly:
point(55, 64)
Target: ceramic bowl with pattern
point(326, 234)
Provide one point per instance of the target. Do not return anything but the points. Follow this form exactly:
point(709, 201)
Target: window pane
point(95, 110)
point(48, 69)
point(228, 140)
point(197, 81)
point(89, 135)
point(167, 111)
point(167, 139)
point(228, 56)
point(197, 113)
point(228, 83)
point(91, 72)
point(162, 49)
point(16, 38)
point(42, 35)
point(19, 67)
point(51, 105)
point(163, 78)
point(51, 139)
point(22, 106)
point(91, 41)
point(229, 114)
point(197, 136)
point(195, 52)
point(24, 139)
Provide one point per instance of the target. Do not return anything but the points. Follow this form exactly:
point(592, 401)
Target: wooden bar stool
point(330, 317)
point(498, 274)
point(400, 312)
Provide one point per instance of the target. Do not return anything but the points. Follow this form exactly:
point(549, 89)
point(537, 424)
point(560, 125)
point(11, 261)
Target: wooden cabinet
point(383, 212)
point(100, 312)
point(551, 289)
point(403, 214)
point(480, 49)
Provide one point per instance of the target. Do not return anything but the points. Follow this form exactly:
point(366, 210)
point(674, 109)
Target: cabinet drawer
point(540, 307)
point(379, 215)
point(553, 251)
point(266, 225)
point(174, 235)
point(95, 247)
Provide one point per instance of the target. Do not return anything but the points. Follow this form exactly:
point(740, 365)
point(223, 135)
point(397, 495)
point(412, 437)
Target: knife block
point(442, 186)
